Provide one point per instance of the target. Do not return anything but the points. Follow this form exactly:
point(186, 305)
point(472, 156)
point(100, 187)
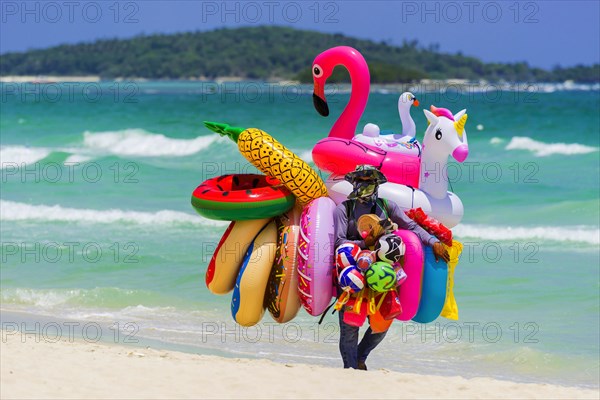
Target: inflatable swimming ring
point(316, 255)
point(340, 156)
point(274, 159)
point(410, 291)
point(281, 298)
point(249, 292)
point(227, 258)
point(241, 197)
point(433, 294)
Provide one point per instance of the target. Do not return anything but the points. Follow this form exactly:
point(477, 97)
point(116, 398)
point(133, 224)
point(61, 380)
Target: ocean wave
point(11, 155)
point(581, 234)
point(541, 149)
point(306, 155)
point(44, 298)
point(138, 142)
point(127, 142)
point(77, 158)
point(17, 156)
point(496, 140)
point(88, 301)
point(14, 211)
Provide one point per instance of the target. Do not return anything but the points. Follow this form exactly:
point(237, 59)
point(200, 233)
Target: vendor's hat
point(366, 171)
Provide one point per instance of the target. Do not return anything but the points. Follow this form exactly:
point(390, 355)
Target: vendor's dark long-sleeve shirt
point(394, 212)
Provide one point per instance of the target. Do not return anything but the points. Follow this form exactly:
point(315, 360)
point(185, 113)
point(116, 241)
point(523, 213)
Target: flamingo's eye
point(317, 71)
point(438, 134)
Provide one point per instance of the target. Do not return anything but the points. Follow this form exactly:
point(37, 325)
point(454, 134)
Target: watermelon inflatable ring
point(240, 197)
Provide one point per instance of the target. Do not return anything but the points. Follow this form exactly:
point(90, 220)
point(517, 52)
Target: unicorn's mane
point(442, 112)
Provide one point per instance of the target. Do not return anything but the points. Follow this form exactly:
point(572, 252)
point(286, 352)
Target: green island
point(268, 53)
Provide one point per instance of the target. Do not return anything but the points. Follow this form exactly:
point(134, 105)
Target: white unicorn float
point(416, 172)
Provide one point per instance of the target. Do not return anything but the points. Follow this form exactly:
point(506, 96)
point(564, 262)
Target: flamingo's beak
point(416, 103)
point(319, 99)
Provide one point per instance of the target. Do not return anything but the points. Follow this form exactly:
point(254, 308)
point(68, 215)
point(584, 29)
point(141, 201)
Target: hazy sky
point(543, 33)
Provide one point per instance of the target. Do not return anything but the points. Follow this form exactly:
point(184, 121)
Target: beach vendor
point(363, 199)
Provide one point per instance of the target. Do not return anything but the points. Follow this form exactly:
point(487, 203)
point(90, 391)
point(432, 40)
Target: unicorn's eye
point(438, 134)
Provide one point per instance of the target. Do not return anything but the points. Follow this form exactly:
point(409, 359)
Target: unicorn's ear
point(459, 114)
point(430, 117)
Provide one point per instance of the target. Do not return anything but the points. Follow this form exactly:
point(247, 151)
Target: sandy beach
point(64, 369)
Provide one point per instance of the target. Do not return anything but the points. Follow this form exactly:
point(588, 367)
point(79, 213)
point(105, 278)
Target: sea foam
point(128, 142)
point(581, 234)
point(44, 298)
point(138, 142)
point(18, 155)
point(541, 149)
point(14, 211)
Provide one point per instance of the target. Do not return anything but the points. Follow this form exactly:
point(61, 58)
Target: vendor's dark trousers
point(353, 352)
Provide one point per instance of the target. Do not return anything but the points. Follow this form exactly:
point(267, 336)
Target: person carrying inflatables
point(363, 200)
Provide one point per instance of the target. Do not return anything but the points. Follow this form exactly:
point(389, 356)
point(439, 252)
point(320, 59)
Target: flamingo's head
point(320, 74)
point(323, 67)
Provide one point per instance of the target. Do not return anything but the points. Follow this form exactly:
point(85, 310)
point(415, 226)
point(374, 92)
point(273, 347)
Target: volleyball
point(346, 255)
point(351, 279)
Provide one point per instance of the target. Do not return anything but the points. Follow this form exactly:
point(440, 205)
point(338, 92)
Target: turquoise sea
point(97, 227)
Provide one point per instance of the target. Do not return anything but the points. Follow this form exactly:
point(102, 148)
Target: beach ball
point(390, 248)
point(381, 277)
point(364, 259)
point(351, 279)
point(345, 255)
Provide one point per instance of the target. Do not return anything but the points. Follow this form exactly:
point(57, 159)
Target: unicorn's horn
point(460, 124)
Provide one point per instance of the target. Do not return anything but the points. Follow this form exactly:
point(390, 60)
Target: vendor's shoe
point(362, 366)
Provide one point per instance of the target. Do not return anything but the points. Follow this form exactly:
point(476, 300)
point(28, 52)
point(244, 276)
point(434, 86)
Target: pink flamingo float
point(415, 180)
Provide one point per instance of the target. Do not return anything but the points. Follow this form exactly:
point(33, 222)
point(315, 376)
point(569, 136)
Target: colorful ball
point(365, 258)
point(351, 279)
point(381, 277)
point(345, 255)
point(390, 248)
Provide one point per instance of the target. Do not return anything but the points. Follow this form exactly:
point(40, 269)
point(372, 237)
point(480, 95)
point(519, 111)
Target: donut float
point(281, 298)
point(240, 197)
point(316, 255)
